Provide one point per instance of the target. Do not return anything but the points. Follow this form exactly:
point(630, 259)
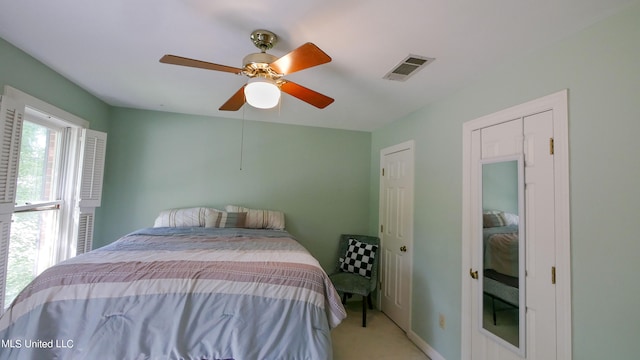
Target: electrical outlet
point(442, 321)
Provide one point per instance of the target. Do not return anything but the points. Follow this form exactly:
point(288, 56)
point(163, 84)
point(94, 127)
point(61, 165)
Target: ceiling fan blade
point(304, 57)
point(235, 102)
point(305, 94)
point(179, 60)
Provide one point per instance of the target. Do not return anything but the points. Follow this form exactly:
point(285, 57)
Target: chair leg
point(493, 308)
point(369, 301)
point(364, 311)
point(344, 298)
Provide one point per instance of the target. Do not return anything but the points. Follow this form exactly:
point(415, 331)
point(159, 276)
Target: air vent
point(408, 67)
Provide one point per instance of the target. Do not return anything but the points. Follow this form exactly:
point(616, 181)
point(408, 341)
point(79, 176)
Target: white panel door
point(529, 135)
point(540, 235)
point(495, 141)
point(396, 219)
point(502, 139)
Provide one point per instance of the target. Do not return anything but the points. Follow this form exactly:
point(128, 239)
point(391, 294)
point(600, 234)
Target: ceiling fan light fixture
point(265, 72)
point(262, 93)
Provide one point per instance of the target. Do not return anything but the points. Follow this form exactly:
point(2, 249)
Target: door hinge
point(382, 171)
point(381, 228)
point(553, 275)
point(551, 146)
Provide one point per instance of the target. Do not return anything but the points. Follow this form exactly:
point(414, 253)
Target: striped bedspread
point(178, 293)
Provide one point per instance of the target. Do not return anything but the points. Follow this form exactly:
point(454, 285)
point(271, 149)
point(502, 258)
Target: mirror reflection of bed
point(500, 270)
point(502, 251)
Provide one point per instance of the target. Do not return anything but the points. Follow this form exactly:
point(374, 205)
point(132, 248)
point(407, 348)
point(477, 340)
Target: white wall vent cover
point(408, 67)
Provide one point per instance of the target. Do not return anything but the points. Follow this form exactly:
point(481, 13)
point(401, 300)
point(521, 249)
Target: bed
point(179, 292)
point(501, 251)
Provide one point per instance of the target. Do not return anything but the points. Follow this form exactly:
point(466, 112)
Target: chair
point(352, 283)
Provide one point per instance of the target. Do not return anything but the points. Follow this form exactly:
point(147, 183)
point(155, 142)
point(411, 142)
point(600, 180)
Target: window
point(35, 221)
point(50, 183)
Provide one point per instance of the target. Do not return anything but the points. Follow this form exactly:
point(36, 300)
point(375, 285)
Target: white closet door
point(540, 235)
point(529, 135)
point(396, 219)
point(502, 139)
point(497, 141)
point(543, 143)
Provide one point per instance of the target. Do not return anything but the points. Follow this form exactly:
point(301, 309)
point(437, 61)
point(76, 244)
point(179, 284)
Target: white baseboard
point(422, 345)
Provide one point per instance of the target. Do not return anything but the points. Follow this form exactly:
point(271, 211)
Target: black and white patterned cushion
point(359, 258)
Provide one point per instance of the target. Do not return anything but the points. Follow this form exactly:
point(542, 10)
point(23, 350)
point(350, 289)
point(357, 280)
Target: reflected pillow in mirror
point(493, 219)
point(511, 219)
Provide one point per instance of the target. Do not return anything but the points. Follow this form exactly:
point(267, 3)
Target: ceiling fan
point(266, 72)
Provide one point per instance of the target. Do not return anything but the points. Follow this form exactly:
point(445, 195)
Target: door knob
point(473, 274)
point(403, 248)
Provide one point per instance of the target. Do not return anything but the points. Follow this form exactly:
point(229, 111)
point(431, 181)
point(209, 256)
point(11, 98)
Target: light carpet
point(381, 339)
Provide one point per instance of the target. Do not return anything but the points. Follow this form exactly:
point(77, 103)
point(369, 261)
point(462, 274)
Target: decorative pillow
point(223, 219)
point(359, 258)
point(511, 219)
point(493, 219)
point(260, 219)
point(181, 217)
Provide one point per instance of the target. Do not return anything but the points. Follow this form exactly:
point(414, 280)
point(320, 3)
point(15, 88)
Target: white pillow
point(511, 219)
point(191, 217)
point(260, 219)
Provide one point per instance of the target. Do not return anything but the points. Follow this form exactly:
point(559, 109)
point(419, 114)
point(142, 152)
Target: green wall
point(28, 75)
point(600, 67)
point(318, 177)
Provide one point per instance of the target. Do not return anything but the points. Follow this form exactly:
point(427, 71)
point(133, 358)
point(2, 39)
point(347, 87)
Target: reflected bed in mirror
point(502, 258)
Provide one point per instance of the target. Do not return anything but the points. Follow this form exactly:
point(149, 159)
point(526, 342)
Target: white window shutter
point(5, 230)
point(93, 152)
point(11, 119)
point(84, 240)
point(94, 147)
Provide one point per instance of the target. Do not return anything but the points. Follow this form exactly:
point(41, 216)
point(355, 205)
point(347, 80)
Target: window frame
point(66, 178)
point(71, 126)
point(76, 214)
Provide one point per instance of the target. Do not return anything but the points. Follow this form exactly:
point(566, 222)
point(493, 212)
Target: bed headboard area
point(233, 216)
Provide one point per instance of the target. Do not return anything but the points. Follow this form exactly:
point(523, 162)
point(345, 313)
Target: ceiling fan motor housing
point(258, 58)
point(258, 65)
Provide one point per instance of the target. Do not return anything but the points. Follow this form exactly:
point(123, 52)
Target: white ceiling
point(111, 48)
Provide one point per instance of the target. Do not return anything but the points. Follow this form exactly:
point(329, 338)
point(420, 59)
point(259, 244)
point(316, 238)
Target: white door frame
point(407, 145)
point(558, 103)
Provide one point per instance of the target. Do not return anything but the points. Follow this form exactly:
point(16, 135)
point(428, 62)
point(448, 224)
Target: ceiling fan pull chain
point(242, 139)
